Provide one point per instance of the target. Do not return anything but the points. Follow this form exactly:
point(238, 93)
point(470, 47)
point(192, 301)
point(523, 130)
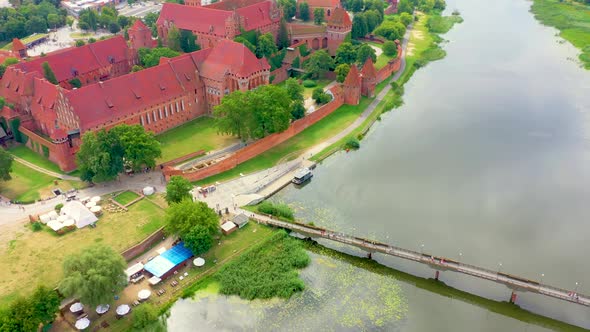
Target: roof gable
point(200, 19)
point(369, 69)
point(340, 18)
point(353, 77)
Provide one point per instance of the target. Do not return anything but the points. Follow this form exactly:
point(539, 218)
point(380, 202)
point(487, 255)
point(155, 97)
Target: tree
point(249, 45)
point(295, 91)
point(45, 303)
point(151, 57)
point(356, 5)
point(320, 96)
point(304, 11)
point(405, 6)
point(75, 82)
point(174, 39)
point(114, 27)
point(70, 21)
point(188, 41)
point(359, 26)
point(53, 20)
point(144, 316)
point(123, 21)
point(178, 189)
point(36, 24)
point(94, 275)
point(318, 16)
point(100, 157)
point(318, 63)
point(140, 147)
point(406, 18)
point(283, 35)
point(266, 46)
point(255, 113)
point(198, 240)
point(373, 19)
point(80, 42)
point(391, 30)
point(90, 19)
point(341, 72)
point(389, 48)
point(289, 8)
point(48, 73)
point(364, 52)
point(5, 165)
point(183, 216)
point(346, 53)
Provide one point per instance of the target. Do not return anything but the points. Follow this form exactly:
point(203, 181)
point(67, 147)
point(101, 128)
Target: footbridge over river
point(439, 263)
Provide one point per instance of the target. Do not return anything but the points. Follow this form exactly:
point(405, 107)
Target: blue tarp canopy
point(168, 260)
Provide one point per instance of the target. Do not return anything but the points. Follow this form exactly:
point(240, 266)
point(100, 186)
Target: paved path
point(515, 283)
point(45, 171)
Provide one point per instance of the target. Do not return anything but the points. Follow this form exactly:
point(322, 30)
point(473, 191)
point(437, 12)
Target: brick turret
point(19, 48)
point(339, 25)
point(352, 87)
point(369, 78)
point(140, 36)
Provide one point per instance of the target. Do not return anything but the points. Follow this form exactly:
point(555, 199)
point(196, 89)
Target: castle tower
point(352, 87)
point(369, 78)
point(337, 28)
point(19, 48)
point(140, 36)
point(232, 25)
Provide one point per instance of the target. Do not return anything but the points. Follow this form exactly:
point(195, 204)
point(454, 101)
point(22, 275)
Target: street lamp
point(576, 289)
point(499, 267)
point(542, 276)
point(460, 256)
point(422, 249)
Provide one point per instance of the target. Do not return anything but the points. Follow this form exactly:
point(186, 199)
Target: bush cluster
point(277, 210)
point(309, 83)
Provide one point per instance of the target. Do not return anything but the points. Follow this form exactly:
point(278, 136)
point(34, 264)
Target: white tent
point(77, 211)
point(154, 280)
point(53, 215)
point(44, 218)
point(83, 323)
point(69, 222)
point(148, 191)
point(95, 199)
point(90, 204)
point(55, 225)
point(133, 269)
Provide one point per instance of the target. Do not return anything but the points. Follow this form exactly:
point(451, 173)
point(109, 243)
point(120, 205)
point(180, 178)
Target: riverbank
point(571, 18)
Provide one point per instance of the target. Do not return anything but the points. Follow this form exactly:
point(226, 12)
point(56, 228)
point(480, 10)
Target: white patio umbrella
point(144, 294)
point(69, 222)
point(123, 310)
point(95, 199)
point(199, 261)
point(90, 204)
point(95, 209)
point(101, 309)
point(82, 323)
point(76, 307)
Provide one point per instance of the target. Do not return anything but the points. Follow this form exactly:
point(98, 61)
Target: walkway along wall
point(57, 152)
point(254, 149)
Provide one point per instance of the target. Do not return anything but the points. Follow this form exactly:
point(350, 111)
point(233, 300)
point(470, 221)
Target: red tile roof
point(138, 26)
point(353, 77)
point(340, 18)
point(321, 3)
point(369, 69)
point(257, 15)
point(200, 19)
point(233, 4)
point(304, 29)
point(84, 59)
point(233, 57)
point(17, 45)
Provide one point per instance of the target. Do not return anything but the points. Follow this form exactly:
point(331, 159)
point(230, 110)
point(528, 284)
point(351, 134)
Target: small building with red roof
point(140, 36)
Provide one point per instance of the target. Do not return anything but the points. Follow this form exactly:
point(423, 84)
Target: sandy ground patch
point(378, 50)
point(418, 34)
point(410, 49)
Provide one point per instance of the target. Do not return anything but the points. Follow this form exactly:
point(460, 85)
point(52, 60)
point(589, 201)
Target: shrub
point(36, 226)
point(389, 48)
point(352, 143)
point(58, 207)
point(309, 83)
point(278, 210)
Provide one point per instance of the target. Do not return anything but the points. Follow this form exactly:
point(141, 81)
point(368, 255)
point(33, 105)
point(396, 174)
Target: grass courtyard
point(198, 134)
point(33, 258)
point(382, 58)
point(125, 197)
point(28, 185)
point(29, 155)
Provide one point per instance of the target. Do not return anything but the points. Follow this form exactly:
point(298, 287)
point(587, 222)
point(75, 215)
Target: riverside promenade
point(438, 263)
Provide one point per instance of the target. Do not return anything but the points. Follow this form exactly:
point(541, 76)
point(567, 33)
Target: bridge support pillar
point(513, 297)
point(369, 256)
point(436, 275)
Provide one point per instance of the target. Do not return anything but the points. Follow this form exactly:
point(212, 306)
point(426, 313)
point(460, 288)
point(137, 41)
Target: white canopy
point(85, 199)
point(52, 214)
point(82, 323)
point(123, 310)
point(76, 210)
point(62, 218)
point(133, 269)
point(154, 280)
point(95, 209)
point(90, 204)
point(144, 294)
point(199, 261)
point(148, 191)
point(101, 309)
point(161, 250)
point(55, 225)
point(76, 307)
point(228, 226)
point(95, 199)
point(69, 222)
point(44, 218)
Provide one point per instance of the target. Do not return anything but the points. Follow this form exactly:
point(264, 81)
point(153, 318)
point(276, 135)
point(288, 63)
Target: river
point(488, 161)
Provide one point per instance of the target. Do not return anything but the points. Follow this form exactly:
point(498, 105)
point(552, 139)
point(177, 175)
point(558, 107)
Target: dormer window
point(111, 59)
point(109, 103)
point(162, 87)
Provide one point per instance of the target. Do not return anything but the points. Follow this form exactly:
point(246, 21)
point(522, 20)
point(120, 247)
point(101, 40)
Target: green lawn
point(290, 149)
point(382, 59)
point(28, 185)
point(125, 197)
point(571, 18)
point(198, 134)
point(36, 258)
point(25, 40)
point(29, 155)
point(307, 92)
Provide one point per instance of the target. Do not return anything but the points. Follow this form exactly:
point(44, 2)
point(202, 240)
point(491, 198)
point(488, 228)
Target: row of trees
point(104, 154)
point(27, 313)
point(30, 18)
point(5, 164)
point(108, 18)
